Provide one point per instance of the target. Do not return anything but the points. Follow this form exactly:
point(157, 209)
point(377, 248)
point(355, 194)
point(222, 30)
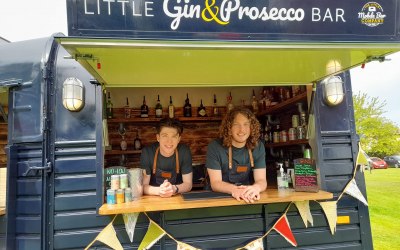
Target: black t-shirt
point(167, 164)
point(217, 156)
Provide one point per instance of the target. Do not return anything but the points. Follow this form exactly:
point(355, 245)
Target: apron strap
point(230, 157)
point(156, 156)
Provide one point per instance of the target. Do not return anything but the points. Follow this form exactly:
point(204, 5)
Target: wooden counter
point(156, 203)
point(2, 211)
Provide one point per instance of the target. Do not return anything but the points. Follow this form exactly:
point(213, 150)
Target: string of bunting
point(155, 232)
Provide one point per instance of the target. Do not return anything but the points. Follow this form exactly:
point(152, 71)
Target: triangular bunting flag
point(361, 158)
point(153, 234)
point(255, 245)
point(330, 210)
point(183, 246)
point(109, 237)
point(282, 227)
point(352, 189)
point(305, 213)
point(130, 224)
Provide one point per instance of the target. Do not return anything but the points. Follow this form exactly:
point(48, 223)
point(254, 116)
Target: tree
point(379, 136)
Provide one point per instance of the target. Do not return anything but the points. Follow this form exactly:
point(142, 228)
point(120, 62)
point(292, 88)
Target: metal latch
point(47, 168)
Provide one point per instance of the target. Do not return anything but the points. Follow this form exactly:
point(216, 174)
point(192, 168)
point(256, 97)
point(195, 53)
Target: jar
point(276, 137)
point(292, 134)
point(283, 136)
point(295, 121)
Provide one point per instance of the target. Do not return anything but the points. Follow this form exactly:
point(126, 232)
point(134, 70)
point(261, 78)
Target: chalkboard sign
point(112, 171)
point(305, 175)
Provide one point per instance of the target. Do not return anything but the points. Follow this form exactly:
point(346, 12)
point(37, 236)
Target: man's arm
point(186, 185)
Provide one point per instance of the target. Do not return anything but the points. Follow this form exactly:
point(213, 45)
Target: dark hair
point(226, 127)
point(170, 123)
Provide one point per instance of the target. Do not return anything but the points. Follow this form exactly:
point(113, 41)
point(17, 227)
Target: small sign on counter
point(305, 175)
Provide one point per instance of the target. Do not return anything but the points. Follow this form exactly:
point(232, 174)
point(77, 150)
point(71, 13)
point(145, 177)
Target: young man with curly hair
point(236, 161)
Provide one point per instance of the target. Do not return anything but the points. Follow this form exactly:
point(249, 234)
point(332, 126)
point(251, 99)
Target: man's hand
point(166, 189)
point(249, 194)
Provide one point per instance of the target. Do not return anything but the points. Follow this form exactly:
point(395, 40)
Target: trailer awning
point(143, 63)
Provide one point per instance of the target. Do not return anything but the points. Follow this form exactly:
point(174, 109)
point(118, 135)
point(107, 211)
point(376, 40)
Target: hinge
point(47, 168)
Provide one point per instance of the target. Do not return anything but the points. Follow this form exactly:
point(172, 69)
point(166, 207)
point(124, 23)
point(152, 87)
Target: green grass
point(383, 191)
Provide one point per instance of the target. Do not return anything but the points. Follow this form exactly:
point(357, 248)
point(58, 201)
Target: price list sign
point(305, 175)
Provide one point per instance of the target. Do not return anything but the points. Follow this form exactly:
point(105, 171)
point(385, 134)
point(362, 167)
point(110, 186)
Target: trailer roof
point(144, 63)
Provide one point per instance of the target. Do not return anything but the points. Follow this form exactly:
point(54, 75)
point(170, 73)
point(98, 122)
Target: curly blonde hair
point(226, 127)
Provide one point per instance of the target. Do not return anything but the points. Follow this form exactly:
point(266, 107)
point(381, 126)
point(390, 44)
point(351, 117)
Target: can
point(110, 196)
point(283, 136)
point(120, 196)
point(300, 132)
point(123, 181)
point(292, 134)
point(276, 137)
point(128, 194)
point(115, 182)
point(295, 121)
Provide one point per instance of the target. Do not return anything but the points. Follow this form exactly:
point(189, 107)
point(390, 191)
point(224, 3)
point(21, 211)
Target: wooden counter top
point(2, 210)
point(155, 203)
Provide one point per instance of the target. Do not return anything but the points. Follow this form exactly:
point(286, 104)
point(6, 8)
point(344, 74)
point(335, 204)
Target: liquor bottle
point(127, 109)
point(144, 109)
point(158, 108)
point(254, 103)
point(201, 111)
point(110, 105)
point(137, 144)
point(215, 107)
point(267, 131)
point(187, 108)
point(229, 102)
point(171, 108)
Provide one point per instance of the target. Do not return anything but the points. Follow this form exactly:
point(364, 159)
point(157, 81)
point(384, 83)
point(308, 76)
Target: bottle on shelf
point(254, 103)
point(171, 108)
point(215, 107)
point(276, 133)
point(229, 102)
point(144, 109)
point(158, 108)
point(187, 108)
point(267, 132)
point(110, 105)
point(137, 144)
point(201, 110)
point(127, 109)
point(123, 143)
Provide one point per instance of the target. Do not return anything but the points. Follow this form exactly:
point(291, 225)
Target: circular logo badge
point(371, 14)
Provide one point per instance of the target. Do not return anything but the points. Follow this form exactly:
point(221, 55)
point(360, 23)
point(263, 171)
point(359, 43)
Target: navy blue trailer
point(55, 157)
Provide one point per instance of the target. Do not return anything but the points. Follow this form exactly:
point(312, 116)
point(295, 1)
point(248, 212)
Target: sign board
point(112, 171)
point(239, 20)
point(305, 175)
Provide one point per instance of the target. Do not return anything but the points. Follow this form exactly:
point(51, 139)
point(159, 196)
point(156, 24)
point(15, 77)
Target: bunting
point(361, 158)
point(183, 246)
point(305, 213)
point(109, 237)
point(153, 234)
point(353, 190)
point(330, 210)
point(130, 224)
point(282, 227)
point(255, 245)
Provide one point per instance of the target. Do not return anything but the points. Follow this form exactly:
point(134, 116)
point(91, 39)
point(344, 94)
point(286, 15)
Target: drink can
point(110, 196)
point(283, 136)
point(120, 196)
point(300, 133)
point(128, 194)
point(276, 137)
point(295, 121)
point(292, 134)
point(123, 181)
point(115, 182)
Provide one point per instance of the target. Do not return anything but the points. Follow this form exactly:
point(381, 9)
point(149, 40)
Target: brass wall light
point(333, 90)
point(72, 95)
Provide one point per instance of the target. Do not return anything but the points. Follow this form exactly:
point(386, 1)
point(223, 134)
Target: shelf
point(284, 105)
point(122, 152)
point(288, 143)
point(154, 119)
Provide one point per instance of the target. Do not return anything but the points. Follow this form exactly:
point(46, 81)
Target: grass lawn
point(383, 191)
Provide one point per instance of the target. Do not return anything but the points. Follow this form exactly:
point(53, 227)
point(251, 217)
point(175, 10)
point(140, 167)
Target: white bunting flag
point(330, 210)
point(305, 213)
point(109, 237)
point(353, 190)
point(255, 245)
point(183, 246)
point(130, 224)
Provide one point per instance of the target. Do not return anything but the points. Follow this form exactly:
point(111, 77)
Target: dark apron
point(158, 176)
point(240, 174)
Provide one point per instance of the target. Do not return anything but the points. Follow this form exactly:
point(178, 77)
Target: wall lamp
point(72, 95)
point(333, 90)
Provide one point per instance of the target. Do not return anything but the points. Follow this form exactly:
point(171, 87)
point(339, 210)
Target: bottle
point(137, 144)
point(158, 108)
point(282, 178)
point(187, 109)
point(215, 107)
point(127, 109)
point(267, 130)
point(201, 111)
point(171, 108)
point(110, 105)
point(229, 102)
point(254, 103)
point(144, 109)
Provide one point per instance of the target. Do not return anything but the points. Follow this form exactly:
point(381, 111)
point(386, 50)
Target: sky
point(27, 19)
